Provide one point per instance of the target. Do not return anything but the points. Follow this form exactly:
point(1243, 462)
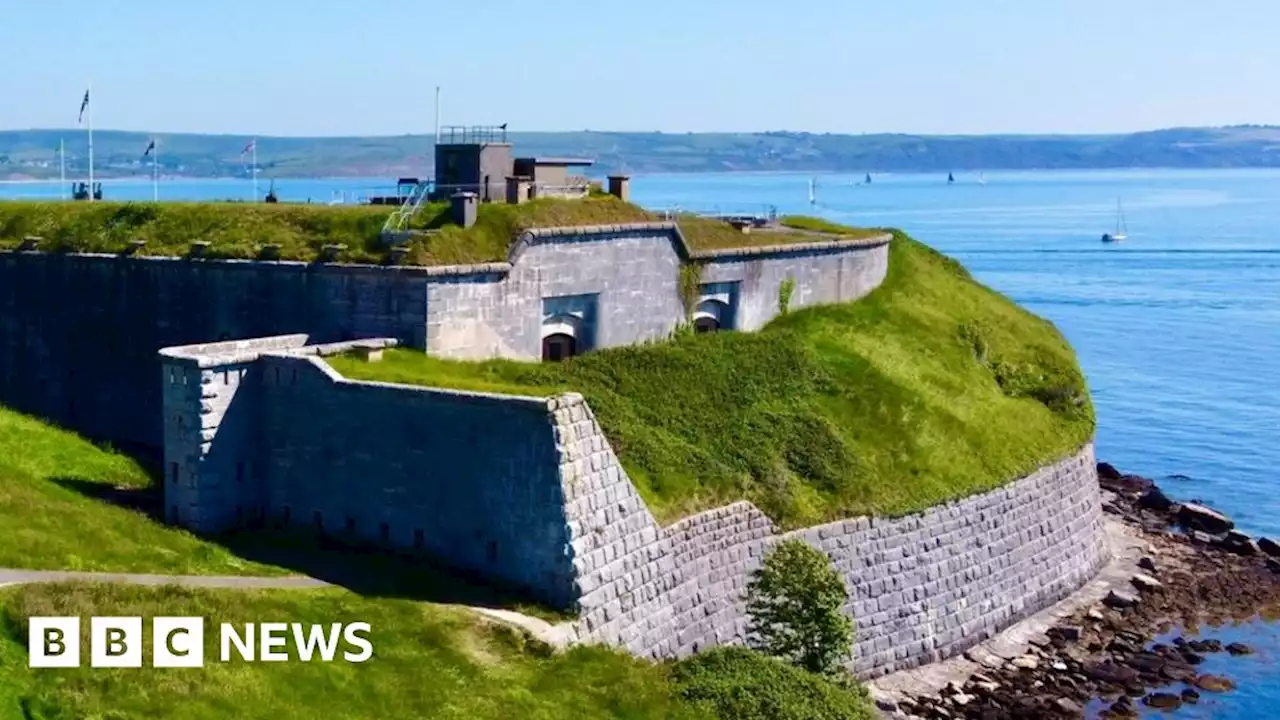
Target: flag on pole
point(83, 104)
point(249, 148)
point(150, 146)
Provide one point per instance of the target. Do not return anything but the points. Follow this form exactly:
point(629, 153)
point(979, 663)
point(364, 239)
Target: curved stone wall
point(922, 587)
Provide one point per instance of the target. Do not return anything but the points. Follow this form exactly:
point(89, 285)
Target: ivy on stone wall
point(690, 288)
point(785, 291)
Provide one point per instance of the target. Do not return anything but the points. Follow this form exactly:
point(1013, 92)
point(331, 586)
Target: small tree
point(794, 602)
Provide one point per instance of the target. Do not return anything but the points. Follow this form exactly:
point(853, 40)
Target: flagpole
point(89, 94)
point(255, 169)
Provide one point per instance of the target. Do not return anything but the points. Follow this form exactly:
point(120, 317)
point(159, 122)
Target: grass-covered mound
point(241, 230)
point(429, 661)
point(54, 517)
point(737, 683)
point(931, 388)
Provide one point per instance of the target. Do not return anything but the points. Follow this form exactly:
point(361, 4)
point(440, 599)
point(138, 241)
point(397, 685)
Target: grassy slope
point(429, 661)
point(932, 388)
point(240, 230)
point(50, 524)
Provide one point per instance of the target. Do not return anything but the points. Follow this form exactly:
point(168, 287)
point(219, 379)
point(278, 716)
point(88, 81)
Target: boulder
point(1146, 662)
point(1107, 471)
point(1163, 701)
point(1120, 599)
point(1147, 564)
point(1070, 633)
point(1146, 583)
point(1269, 546)
point(1109, 672)
point(1236, 648)
point(1155, 499)
point(1199, 517)
point(1214, 683)
point(1190, 697)
point(1239, 543)
point(1069, 707)
point(1026, 662)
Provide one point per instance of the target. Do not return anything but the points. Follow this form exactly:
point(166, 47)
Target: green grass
point(53, 521)
point(932, 388)
point(239, 231)
point(429, 661)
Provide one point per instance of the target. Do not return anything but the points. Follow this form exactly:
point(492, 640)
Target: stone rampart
point(79, 333)
point(922, 587)
point(528, 491)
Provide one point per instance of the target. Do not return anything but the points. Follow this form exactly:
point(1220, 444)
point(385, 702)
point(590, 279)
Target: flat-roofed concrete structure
point(555, 176)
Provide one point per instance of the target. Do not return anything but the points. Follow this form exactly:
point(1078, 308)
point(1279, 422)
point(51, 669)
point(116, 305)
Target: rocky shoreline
point(1197, 570)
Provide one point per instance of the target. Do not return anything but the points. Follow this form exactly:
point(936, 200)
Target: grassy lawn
point(932, 388)
point(53, 519)
point(240, 230)
point(429, 661)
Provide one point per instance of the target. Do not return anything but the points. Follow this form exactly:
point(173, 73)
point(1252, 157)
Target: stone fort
point(218, 367)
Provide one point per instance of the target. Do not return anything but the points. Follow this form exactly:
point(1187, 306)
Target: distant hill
point(33, 153)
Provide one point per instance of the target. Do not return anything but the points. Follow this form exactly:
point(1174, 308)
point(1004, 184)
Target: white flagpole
point(155, 171)
point(89, 92)
point(255, 169)
point(62, 168)
point(437, 114)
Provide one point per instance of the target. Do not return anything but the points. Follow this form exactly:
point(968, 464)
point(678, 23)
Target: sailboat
point(813, 191)
point(868, 181)
point(950, 178)
point(982, 178)
point(1122, 228)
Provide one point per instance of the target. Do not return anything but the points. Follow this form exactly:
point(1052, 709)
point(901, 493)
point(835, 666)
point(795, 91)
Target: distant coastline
point(33, 154)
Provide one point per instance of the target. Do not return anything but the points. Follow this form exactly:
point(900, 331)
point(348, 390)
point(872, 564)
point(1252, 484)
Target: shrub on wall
point(794, 602)
point(690, 288)
point(736, 683)
point(785, 291)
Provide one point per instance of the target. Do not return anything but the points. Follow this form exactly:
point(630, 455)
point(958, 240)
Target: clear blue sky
point(324, 67)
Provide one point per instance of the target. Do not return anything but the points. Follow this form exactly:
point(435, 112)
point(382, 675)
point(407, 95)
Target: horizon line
point(78, 130)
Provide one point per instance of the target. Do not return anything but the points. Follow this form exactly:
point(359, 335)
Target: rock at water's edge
point(1199, 517)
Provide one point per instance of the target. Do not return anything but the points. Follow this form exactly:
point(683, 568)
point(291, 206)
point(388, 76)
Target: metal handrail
point(399, 220)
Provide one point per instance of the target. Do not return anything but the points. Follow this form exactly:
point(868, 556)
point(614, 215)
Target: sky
point(370, 67)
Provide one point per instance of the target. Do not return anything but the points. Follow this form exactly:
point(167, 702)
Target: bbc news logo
point(178, 642)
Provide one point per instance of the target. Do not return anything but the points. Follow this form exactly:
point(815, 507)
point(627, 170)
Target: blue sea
point(1178, 328)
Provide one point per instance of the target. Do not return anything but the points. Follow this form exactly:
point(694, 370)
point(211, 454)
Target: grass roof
point(238, 230)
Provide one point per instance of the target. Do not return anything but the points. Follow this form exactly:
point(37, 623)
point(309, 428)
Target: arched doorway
point(558, 346)
point(710, 316)
point(706, 323)
point(560, 337)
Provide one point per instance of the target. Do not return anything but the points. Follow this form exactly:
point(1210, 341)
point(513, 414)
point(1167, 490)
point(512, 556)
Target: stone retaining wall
point(922, 587)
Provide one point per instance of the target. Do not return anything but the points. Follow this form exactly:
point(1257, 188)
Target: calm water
point(1178, 329)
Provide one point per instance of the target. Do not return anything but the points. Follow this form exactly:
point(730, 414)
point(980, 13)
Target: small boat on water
point(813, 191)
point(1122, 228)
point(868, 181)
point(982, 178)
point(950, 178)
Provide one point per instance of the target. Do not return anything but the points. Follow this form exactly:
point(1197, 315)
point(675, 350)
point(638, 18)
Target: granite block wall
point(529, 492)
point(922, 587)
point(633, 275)
point(820, 276)
point(469, 478)
point(79, 334)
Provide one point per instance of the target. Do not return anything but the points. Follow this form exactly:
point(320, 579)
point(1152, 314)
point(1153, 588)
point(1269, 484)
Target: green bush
point(794, 601)
point(741, 684)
